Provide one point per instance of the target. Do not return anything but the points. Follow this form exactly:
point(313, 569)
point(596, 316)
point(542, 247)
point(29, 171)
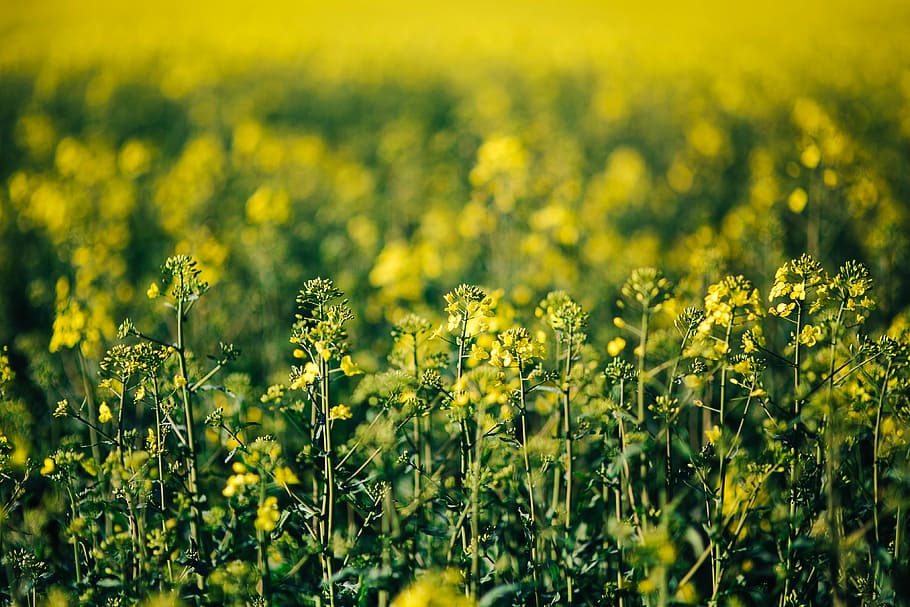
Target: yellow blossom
point(179, 381)
point(307, 376)
point(615, 346)
point(267, 515)
point(713, 434)
point(48, 467)
point(153, 291)
point(104, 413)
point(809, 336)
point(285, 476)
point(349, 367)
point(340, 412)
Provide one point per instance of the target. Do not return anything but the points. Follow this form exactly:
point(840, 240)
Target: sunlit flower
point(49, 466)
point(104, 413)
point(285, 476)
point(810, 335)
point(713, 434)
point(615, 346)
point(349, 367)
point(267, 515)
point(340, 412)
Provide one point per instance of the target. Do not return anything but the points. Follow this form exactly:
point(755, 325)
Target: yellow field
point(839, 40)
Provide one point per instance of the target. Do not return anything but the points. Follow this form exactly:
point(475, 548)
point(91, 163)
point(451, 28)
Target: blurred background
point(402, 148)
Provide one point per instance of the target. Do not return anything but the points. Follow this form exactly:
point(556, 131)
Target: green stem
point(875, 445)
point(722, 464)
point(475, 501)
point(567, 434)
point(328, 508)
point(529, 481)
point(192, 456)
point(831, 467)
point(640, 396)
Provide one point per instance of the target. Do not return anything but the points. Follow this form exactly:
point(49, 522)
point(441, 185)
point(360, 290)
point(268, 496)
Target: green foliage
point(489, 459)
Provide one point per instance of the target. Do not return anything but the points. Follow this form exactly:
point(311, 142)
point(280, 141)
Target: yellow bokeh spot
point(811, 156)
point(797, 200)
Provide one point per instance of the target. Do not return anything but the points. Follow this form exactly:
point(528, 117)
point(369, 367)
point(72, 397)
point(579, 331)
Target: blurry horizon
point(821, 40)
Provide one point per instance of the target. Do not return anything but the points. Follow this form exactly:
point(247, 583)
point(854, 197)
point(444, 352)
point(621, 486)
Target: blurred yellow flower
point(104, 413)
point(615, 346)
point(713, 434)
point(285, 476)
point(349, 367)
point(798, 200)
point(267, 515)
point(340, 412)
point(48, 467)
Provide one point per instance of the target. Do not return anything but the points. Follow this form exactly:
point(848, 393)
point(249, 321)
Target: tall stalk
point(832, 465)
point(567, 434)
point(196, 538)
point(529, 481)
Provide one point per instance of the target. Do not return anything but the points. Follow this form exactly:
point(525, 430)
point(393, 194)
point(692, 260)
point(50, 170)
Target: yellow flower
point(62, 409)
point(798, 200)
point(179, 381)
point(153, 291)
point(104, 413)
point(809, 336)
point(340, 412)
point(307, 376)
point(151, 441)
point(713, 434)
point(349, 367)
point(285, 476)
point(237, 482)
point(48, 467)
point(615, 346)
point(267, 515)
point(647, 586)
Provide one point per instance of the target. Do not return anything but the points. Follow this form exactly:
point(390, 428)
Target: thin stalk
point(875, 445)
point(794, 469)
point(464, 440)
point(640, 396)
point(668, 468)
point(567, 433)
point(475, 501)
point(93, 434)
point(328, 504)
point(529, 483)
point(386, 526)
point(159, 456)
point(623, 488)
point(196, 538)
point(556, 493)
point(722, 464)
point(831, 466)
point(136, 539)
